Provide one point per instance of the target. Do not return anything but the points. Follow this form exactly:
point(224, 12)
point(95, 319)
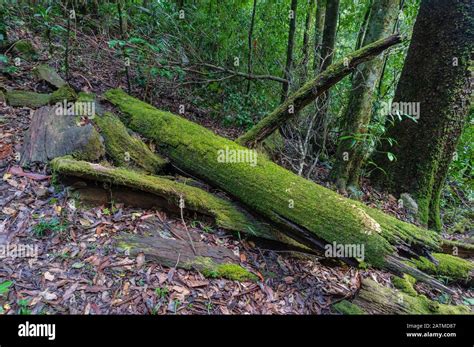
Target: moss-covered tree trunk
point(435, 75)
point(307, 212)
point(352, 149)
point(327, 56)
point(312, 89)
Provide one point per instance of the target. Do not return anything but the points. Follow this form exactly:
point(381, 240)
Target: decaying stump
point(52, 134)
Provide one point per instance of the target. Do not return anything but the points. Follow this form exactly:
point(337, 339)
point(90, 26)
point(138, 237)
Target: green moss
point(405, 284)
point(401, 302)
point(449, 266)
point(347, 307)
point(63, 93)
point(124, 149)
point(225, 214)
point(268, 188)
point(94, 149)
point(27, 99)
point(230, 271)
point(85, 97)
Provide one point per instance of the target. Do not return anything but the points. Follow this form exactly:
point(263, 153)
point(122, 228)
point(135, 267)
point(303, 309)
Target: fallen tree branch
point(312, 89)
point(374, 298)
point(211, 261)
point(167, 194)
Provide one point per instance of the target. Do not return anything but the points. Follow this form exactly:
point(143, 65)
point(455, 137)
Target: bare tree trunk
point(305, 49)
point(249, 64)
point(327, 55)
point(289, 51)
point(318, 34)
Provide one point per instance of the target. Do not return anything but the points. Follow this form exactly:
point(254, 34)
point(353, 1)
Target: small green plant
point(161, 293)
point(4, 288)
point(176, 305)
point(209, 306)
point(106, 211)
point(49, 226)
point(23, 307)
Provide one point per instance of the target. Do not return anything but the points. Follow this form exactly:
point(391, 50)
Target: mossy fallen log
point(20, 98)
point(449, 267)
point(307, 212)
point(26, 99)
point(312, 89)
point(211, 261)
point(46, 73)
point(222, 212)
point(52, 134)
point(124, 149)
point(374, 298)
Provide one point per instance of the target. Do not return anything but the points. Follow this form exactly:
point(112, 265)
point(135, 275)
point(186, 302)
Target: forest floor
point(78, 270)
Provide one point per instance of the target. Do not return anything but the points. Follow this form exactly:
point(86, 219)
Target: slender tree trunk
point(329, 33)
point(289, 51)
point(66, 53)
point(252, 22)
point(353, 148)
point(305, 50)
point(122, 36)
point(435, 75)
point(327, 55)
point(318, 34)
point(363, 26)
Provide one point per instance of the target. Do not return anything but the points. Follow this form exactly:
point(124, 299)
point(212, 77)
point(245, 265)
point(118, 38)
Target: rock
point(46, 73)
point(409, 204)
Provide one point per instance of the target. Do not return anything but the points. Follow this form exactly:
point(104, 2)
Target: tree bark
point(329, 33)
point(352, 150)
point(305, 50)
point(249, 64)
point(318, 34)
point(308, 213)
point(312, 89)
point(374, 298)
point(440, 84)
point(289, 50)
